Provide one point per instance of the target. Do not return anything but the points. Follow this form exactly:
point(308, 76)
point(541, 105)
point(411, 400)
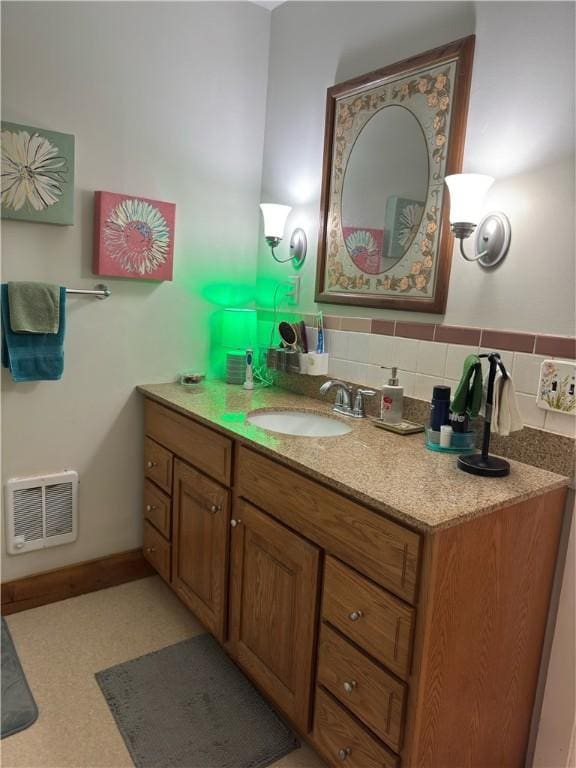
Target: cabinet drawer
point(342, 740)
point(157, 508)
point(374, 696)
point(206, 449)
point(377, 547)
point(368, 615)
point(158, 464)
point(157, 551)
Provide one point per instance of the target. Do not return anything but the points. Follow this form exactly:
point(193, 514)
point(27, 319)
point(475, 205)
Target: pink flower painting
point(365, 246)
point(133, 237)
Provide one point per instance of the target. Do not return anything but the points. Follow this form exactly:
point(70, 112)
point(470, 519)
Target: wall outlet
point(557, 386)
point(293, 296)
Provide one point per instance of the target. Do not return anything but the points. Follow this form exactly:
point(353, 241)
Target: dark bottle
point(439, 407)
point(459, 421)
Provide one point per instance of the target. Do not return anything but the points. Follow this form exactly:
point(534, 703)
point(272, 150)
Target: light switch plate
point(293, 296)
point(556, 389)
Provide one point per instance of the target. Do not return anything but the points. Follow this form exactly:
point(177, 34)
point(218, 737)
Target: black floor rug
point(19, 709)
point(189, 706)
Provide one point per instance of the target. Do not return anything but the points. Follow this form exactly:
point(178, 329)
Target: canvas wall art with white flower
point(133, 237)
point(37, 175)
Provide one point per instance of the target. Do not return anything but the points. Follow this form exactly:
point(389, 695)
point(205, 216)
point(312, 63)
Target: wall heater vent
point(41, 512)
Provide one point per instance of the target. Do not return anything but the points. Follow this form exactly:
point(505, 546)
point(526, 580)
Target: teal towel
point(33, 356)
point(34, 307)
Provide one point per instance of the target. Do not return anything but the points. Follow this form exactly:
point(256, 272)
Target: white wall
point(166, 100)
point(520, 129)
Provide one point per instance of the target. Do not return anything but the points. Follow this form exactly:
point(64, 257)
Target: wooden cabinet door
point(200, 546)
point(274, 601)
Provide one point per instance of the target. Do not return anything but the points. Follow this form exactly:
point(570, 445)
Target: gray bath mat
point(189, 706)
point(19, 709)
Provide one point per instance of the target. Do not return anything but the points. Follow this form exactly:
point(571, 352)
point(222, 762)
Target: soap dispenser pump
point(392, 398)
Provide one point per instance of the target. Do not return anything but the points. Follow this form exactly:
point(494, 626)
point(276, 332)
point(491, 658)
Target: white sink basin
point(303, 423)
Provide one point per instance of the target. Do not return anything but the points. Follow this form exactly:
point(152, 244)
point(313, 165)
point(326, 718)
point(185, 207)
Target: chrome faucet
point(344, 394)
point(343, 402)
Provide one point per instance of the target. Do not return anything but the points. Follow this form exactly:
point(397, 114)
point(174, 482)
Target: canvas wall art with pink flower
point(133, 236)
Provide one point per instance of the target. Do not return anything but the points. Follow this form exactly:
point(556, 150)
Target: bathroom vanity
point(390, 606)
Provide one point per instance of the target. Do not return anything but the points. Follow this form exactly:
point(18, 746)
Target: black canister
point(459, 421)
point(439, 407)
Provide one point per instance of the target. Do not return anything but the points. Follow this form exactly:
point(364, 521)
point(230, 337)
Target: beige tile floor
point(62, 645)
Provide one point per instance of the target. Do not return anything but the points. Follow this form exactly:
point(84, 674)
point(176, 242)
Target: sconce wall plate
point(493, 239)
point(298, 247)
point(467, 193)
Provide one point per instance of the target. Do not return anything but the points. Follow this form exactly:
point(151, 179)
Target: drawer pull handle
point(234, 523)
point(151, 464)
point(350, 685)
point(344, 753)
point(150, 507)
point(355, 615)
point(214, 508)
point(150, 549)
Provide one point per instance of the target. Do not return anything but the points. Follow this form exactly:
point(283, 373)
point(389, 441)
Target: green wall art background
point(37, 175)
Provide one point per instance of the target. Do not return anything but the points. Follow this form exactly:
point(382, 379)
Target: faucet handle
point(359, 401)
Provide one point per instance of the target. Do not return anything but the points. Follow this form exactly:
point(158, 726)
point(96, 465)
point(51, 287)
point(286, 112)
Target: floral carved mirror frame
point(435, 87)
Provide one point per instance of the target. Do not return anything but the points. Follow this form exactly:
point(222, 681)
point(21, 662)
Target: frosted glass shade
point(239, 328)
point(467, 194)
point(274, 219)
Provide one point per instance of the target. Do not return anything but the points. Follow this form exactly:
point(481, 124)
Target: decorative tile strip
point(515, 342)
point(456, 334)
point(359, 324)
point(383, 327)
point(556, 346)
point(424, 331)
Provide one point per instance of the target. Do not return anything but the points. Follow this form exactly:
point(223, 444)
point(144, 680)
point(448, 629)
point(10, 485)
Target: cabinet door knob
point(355, 615)
point(350, 685)
point(151, 464)
point(150, 549)
point(150, 508)
point(234, 523)
point(215, 508)
point(344, 753)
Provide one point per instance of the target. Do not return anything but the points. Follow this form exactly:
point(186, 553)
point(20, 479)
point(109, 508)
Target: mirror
point(383, 193)
point(391, 137)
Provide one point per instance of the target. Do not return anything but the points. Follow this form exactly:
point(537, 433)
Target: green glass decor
point(239, 329)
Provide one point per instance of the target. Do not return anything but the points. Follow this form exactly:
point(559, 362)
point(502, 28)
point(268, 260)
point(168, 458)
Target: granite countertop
point(392, 473)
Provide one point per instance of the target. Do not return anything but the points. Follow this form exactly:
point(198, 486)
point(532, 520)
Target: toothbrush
point(320, 342)
point(303, 337)
point(249, 383)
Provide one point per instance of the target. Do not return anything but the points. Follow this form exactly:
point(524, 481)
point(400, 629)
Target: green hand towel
point(468, 396)
point(34, 307)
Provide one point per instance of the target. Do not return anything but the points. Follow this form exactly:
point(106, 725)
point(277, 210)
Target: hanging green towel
point(468, 396)
point(34, 307)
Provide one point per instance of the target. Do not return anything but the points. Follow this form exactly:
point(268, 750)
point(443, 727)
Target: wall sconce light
point(274, 220)
point(467, 193)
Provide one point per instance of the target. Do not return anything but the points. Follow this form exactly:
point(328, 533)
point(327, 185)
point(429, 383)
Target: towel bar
point(101, 291)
